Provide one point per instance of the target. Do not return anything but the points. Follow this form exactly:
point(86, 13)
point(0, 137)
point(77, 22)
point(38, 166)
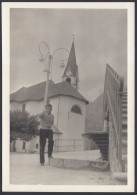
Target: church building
point(68, 108)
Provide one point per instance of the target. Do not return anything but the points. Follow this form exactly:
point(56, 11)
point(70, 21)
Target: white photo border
point(6, 186)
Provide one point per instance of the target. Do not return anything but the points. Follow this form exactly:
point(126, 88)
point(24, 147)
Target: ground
point(26, 169)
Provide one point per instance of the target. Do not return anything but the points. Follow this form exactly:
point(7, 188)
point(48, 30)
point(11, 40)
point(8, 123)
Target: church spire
point(71, 70)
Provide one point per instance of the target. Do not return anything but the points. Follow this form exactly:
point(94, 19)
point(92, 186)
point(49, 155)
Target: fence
point(68, 145)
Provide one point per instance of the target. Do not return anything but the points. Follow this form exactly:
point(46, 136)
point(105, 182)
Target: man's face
point(48, 109)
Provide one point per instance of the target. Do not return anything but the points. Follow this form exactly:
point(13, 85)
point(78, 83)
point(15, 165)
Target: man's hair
point(49, 105)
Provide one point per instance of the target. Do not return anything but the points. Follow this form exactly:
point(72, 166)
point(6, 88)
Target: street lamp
point(48, 70)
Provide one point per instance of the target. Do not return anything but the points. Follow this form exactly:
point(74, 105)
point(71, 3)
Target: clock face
point(68, 73)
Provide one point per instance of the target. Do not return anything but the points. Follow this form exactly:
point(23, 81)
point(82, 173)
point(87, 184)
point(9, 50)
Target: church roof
point(36, 92)
point(71, 64)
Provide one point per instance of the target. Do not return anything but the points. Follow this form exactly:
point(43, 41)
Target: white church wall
point(71, 124)
point(76, 126)
point(63, 116)
point(55, 101)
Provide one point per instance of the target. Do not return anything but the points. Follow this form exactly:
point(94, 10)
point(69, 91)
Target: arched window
point(68, 80)
point(76, 109)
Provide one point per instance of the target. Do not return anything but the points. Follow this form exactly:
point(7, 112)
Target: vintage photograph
point(68, 98)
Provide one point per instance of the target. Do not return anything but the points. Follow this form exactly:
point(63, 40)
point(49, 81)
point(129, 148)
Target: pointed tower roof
point(71, 64)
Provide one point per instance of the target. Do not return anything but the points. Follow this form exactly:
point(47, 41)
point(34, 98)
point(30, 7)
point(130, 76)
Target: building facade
point(68, 106)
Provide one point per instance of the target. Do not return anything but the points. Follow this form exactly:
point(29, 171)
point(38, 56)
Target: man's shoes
point(50, 156)
point(42, 164)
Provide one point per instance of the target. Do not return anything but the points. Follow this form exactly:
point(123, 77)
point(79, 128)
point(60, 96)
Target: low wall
point(89, 144)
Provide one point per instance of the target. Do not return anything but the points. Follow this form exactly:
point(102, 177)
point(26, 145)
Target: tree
point(23, 125)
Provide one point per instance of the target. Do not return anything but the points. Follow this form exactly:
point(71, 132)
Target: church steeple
point(71, 70)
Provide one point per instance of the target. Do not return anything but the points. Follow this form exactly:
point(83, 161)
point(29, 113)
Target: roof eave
point(40, 99)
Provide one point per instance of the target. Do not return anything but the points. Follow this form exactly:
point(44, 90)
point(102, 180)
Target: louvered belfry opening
point(68, 80)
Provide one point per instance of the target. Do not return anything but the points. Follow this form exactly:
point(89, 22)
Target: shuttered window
point(24, 145)
point(37, 145)
point(23, 107)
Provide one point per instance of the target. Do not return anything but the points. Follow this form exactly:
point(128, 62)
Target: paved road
point(25, 169)
point(91, 155)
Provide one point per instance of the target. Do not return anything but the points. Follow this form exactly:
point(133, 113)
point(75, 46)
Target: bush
point(22, 123)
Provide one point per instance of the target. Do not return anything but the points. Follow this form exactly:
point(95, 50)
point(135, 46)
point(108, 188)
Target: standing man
point(46, 122)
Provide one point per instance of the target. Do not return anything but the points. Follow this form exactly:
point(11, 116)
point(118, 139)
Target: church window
point(68, 80)
point(76, 109)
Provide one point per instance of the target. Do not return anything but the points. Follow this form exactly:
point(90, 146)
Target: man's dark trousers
point(44, 134)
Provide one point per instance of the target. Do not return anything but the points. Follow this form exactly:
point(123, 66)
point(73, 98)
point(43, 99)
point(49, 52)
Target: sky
point(100, 38)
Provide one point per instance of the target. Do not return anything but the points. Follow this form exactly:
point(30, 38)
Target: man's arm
point(40, 115)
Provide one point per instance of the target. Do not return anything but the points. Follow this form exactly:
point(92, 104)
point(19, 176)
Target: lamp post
point(48, 70)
